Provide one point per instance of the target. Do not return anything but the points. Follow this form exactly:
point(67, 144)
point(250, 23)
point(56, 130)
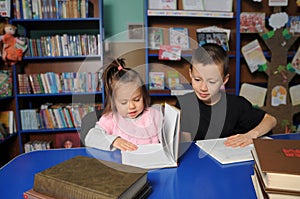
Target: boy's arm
point(241, 140)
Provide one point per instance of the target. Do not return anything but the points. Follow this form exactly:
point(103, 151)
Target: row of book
point(52, 9)
point(5, 83)
point(37, 145)
point(66, 82)
point(203, 5)
point(179, 36)
point(276, 168)
point(55, 116)
point(64, 45)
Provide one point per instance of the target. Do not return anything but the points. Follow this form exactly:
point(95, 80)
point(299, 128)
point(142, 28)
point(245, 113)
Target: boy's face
point(207, 81)
point(129, 100)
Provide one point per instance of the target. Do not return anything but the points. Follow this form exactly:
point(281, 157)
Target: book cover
point(163, 154)
point(8, 121)
point(220, 38)
point(192, 5)
point(295, 95)
point(156, 80)
point(253, 55)
point(179, 37)
point(252, 22)
point(162, 4)
point(156, 38)
point(86, 177)
point(278, 163)
point(296, 61)
point(218, 5)
point(293, 24)
point(5, 83)
point(278, 2)
point(256, 95)
point(167, 52)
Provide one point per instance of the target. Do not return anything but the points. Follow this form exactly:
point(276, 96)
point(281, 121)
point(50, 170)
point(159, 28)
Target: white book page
point(148, 156)
point(224, 154)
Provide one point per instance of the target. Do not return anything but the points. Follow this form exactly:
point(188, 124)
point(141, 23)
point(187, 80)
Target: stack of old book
point(89, 178)
point(276, 168)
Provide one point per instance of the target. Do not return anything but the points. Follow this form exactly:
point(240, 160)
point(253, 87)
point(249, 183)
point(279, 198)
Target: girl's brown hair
point(116, 72)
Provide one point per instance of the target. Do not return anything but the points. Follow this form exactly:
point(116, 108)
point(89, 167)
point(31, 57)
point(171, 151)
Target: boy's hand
point(239, 140)
point(124, 145)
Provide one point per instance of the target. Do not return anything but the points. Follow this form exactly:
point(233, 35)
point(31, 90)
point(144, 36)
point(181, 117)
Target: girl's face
point(207, 82)
point(128, 100)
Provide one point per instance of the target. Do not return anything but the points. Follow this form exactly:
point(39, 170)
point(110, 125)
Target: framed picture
point(67, 140)
point(136, 32)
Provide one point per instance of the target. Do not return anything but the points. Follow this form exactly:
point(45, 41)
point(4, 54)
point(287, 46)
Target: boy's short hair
point(211, 53)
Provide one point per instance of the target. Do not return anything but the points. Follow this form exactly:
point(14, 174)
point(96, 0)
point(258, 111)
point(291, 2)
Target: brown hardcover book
point(89, 178)
point(263, 192)
point(278, 162)
point(31, 194)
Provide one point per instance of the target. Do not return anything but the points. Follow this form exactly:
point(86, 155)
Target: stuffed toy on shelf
point(13, 47)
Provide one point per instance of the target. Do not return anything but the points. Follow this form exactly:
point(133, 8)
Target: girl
point(127, 119)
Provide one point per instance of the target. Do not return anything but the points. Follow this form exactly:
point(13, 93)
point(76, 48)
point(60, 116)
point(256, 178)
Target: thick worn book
point(163, 154)
point(89, 178)
point(278, 162)
point(262, 192)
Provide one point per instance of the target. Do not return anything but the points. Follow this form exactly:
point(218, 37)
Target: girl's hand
point(239, 140)
point(124, 145)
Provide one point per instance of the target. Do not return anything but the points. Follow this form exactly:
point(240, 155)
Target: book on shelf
point(163, 154)
point(167, 52)
point(218, 5)
point(192, 5)
point(219, 38)
point(156, 80)
point(256, 95)
point(253, 55)
point(37, 145)
point(7, 119)
point(179, 36)
point(87, 177)
point(162, 4)
point(278, 2)
point(224, 154)
point(5, 83)
point(252, 22)
point(156, 38)
point(278, 163)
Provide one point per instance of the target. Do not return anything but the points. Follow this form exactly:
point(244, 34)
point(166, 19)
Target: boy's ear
point(226, 79)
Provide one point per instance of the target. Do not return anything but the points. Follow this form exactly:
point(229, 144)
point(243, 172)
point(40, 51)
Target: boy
point(209, 112)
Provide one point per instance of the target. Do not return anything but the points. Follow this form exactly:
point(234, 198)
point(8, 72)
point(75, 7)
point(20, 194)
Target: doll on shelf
point(13, 48)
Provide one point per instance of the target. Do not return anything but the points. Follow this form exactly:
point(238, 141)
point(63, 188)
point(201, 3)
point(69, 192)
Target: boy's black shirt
point(231, 115)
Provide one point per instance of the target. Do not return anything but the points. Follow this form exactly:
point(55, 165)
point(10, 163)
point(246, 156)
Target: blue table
point(195, 177)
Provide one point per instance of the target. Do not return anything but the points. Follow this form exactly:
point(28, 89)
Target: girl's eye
point(123, 103)
point(137, 99)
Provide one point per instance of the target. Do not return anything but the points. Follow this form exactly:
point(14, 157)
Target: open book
point(223, 154)
point(163, 154)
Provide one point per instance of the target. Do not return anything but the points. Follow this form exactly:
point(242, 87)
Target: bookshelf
point(7, 103)
point(65, 45)
point(238, 70)
point(192, 20)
